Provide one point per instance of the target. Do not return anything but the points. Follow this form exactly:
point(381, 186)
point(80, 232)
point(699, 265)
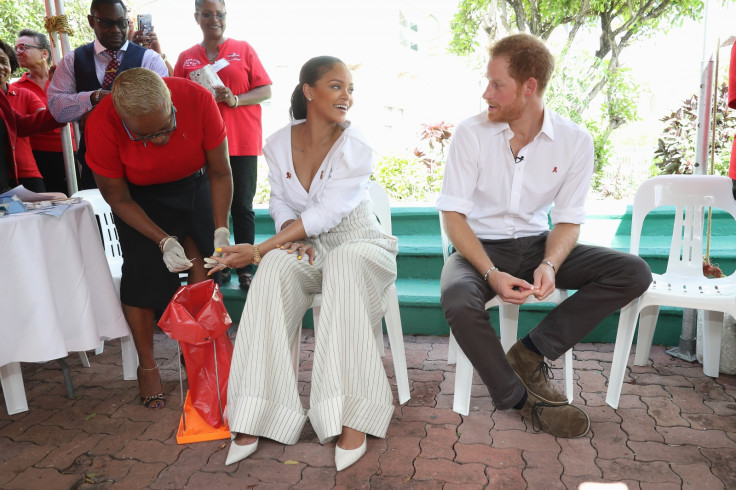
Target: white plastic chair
point(382, 210)
point(683, 284)
point(113, 253)
point(508, 315)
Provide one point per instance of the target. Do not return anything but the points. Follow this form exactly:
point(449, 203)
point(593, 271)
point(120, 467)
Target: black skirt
point(182, 208)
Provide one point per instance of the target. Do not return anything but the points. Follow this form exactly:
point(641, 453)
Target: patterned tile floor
point(675, 428)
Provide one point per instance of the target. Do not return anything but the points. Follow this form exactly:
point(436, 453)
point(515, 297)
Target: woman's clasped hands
point(240, 255)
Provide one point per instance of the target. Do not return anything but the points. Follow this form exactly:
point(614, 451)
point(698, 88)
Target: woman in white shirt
point(329, 242)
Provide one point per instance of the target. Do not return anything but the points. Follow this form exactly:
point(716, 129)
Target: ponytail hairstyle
point(310, 73)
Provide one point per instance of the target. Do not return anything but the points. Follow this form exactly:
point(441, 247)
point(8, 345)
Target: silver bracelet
point(551, 265)
point(237, 101)
point(488, 273)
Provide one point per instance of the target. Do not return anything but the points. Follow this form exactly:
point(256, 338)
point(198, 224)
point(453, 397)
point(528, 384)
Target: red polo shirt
point(199, 127)
point(243, 73)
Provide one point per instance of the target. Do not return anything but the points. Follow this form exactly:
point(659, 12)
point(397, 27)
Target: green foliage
point(417, 177)
point(407, 178)
point(675, 152)
point(465, 24)
point(20, 14)
point(621, 22)
point(263, 191)
point(620, 106)
point(566, 93)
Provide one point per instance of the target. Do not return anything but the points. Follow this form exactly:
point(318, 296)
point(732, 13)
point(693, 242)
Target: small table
point(56, 293)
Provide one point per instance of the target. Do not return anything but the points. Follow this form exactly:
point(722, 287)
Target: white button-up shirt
point(340, 184)
point(503, 197)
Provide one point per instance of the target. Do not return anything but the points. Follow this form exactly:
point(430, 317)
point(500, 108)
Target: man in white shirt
point(505, 169)
point(85, 75)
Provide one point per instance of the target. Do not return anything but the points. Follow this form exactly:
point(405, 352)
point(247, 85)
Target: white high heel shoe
point(346, 457)
point(237, 452)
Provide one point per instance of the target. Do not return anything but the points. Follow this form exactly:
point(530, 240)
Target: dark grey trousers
point(605, 280)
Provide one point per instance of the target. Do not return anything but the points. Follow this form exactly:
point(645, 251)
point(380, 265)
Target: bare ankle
point(244, 439)
point(350, 438)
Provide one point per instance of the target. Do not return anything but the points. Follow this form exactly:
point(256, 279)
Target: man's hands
point(516, 291)
point(544, 281)
point(174, 256)
point(509, 288)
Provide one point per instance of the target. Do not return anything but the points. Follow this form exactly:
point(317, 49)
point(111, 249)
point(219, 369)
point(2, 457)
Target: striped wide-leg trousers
point(355, 264)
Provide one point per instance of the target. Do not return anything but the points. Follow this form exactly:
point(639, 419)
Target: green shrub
point(408, 178)
point(675, 152)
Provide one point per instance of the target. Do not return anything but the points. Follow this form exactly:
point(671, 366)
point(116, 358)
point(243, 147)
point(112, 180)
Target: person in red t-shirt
point(34, 52)
point(158, 151)
point(23, 102)
point(246, 85)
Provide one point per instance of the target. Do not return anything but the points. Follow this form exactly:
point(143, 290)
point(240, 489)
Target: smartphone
point(145, 23)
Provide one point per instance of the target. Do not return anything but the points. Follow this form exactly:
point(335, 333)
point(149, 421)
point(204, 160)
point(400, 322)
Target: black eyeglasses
point(150, 137)
point(208, 16)
point(108, 23)
point(22, 47)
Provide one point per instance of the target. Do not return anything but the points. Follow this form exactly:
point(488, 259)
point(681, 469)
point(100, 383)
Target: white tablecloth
point(56, 292)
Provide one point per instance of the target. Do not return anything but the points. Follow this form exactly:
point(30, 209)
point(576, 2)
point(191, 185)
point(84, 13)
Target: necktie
point(111, 70)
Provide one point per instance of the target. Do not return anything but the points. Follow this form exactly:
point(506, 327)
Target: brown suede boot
point(558, 420)
point(534, 373)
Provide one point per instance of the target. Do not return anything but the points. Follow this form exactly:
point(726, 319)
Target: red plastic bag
point(197, 318)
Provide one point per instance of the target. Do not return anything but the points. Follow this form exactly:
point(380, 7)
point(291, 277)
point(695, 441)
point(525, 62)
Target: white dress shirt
point(506, 197)
point(66, 104)
point(340, 184)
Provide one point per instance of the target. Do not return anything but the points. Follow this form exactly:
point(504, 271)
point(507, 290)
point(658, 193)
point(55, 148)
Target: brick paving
point(675, 428)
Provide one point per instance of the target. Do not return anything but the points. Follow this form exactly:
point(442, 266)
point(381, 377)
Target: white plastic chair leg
point(463, 383)
point(647, 324)
point(83, 357)
point(100, 348)
point(712, 329)
point(452, 350)
point(508, 317)
point(315, 318)
point(11, 379)
point(621, 350)
point(567, 375)
point(396, 340)
point(130, 358)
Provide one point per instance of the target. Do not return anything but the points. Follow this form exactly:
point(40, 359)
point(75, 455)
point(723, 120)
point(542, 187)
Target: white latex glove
point(222, 239)
point(174, 256)
point(211, 263)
